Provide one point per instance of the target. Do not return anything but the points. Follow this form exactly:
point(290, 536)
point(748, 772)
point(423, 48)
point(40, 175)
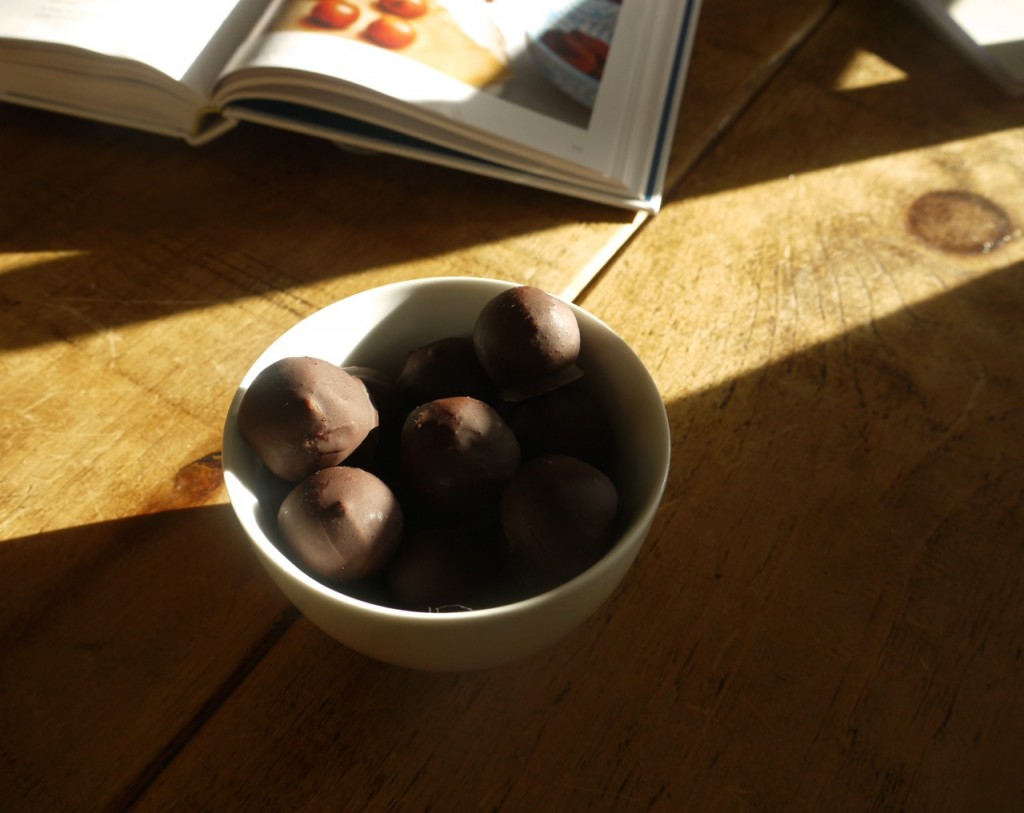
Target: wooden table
point(829, 612)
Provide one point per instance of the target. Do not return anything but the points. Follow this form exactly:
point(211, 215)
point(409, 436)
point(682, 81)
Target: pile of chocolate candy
point(475, 475)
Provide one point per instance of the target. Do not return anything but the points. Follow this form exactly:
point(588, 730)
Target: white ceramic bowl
point(377, 328)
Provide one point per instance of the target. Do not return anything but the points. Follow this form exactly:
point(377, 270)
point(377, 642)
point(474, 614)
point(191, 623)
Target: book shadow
point(237, 217)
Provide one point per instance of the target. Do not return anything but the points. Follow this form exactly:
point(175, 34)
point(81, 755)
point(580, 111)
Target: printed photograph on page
point(547, 56)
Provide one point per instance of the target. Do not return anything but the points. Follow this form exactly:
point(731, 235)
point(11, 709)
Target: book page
point(169, 37)
point(500, 67)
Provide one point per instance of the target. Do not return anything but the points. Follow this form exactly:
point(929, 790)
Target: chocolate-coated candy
point(558, 515)
point(457, 453)
point(570, 420)
point(301, 414)
point(384, 393)
point(379, 452)
point(528, 342)
point(341, 523)
point(444, 568)
point(443, 369)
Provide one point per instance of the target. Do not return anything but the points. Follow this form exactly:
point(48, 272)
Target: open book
point(575, 96)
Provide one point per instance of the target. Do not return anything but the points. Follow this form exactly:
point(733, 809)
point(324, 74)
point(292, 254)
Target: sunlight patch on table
point(15, 261)
point(755, 272)
point(866, 69)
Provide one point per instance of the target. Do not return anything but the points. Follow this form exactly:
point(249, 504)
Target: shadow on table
point(841, 537)
point(119, 637)
point(258, 212)
point(837, 555)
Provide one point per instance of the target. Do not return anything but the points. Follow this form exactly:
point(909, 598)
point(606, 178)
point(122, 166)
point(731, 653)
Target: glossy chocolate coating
point(301, 414)
point(457, 454)
point(444, 369)
point(528, 342)
point(558, 514)
point(341, 523)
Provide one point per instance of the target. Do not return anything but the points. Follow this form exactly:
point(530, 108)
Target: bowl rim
point(626, 545)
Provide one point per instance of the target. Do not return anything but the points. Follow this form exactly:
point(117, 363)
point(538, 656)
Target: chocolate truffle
point(444, 569)
point(443, 369)
point(528, 342)
point(457, 453)
point(570, 420)
point(384, 393)
point(558, 515)
point(301, 414)
point(341, 523)
point(379, 452)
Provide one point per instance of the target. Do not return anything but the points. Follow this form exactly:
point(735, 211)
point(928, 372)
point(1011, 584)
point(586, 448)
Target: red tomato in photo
point(334, 14)
point(585, 53)
point(598, 47)
point(409, 9)
point(390, 32)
